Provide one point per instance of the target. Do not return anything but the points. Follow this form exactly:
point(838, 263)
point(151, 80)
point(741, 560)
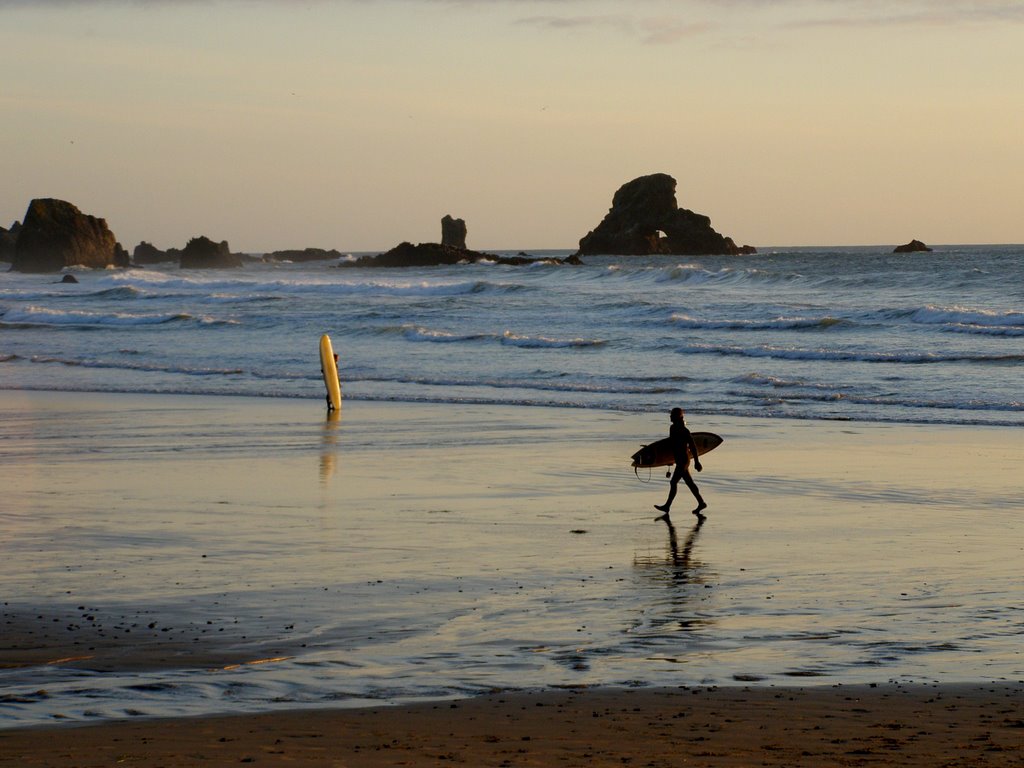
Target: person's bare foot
point(700, 508)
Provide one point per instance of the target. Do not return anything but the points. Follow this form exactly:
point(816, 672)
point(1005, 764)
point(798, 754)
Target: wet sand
point(187, 540)
point(831, 726)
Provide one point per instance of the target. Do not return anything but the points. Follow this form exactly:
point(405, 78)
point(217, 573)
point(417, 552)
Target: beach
point(849, 726)
point(171, 560)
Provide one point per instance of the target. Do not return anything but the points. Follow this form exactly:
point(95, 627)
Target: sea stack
point(147, 253)
point(645, 219)
point(453, 232)
point(914, 246)
point(8, 239)
point(55, 234)
point(202, 253)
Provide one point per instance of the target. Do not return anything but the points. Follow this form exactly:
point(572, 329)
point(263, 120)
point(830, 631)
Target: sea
point(380, 557)
point(807, 333)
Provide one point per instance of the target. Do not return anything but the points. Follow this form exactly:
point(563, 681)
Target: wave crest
point(33, 316)
point(776, 324)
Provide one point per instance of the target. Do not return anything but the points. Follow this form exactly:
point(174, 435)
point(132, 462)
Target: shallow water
point(414, 551)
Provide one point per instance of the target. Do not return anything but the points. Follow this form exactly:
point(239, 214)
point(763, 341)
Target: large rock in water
point(453, 232)
point(436, 254)
point(8, 239)
point(914, 246)
point(55, 234)
point(645, 219)
point(202, 253)
point(147, 253)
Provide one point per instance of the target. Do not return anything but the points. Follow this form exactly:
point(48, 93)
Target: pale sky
point(356, 124)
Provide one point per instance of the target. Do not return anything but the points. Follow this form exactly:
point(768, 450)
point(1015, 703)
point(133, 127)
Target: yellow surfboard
point(329, 368)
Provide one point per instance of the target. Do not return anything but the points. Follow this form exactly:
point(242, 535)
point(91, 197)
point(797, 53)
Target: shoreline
point(543, 406)
point(840, 725)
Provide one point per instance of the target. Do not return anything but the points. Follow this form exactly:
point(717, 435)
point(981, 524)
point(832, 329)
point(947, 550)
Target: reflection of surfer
point(683, 447)
point(681, 563)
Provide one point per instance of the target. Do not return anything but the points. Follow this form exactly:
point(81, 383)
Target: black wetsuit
point(682, 445)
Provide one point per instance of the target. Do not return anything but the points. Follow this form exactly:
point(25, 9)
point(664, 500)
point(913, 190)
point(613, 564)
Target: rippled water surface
point(230, 554)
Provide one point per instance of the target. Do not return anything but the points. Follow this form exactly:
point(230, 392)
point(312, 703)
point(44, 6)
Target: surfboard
point(330, 370)
point(660, 454)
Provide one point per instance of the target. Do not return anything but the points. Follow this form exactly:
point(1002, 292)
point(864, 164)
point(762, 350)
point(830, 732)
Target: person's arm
point(691, 443)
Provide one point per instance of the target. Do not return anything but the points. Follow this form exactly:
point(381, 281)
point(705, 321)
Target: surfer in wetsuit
point(683, 447)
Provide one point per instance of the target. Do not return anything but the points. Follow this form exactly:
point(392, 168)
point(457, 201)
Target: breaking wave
point(192, 286)
point(32, 316)
point(417, 333)
point(779, 323)
point(841, 355)
point(131, 366)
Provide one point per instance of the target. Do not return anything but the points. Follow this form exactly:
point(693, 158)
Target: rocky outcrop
point(914, 246)
point(453, 232)
point(8, 239)
point(147, 253)
point(307, 254)
point(55, 234)
point(438, 254)
point(202, 253)
point(645, 219)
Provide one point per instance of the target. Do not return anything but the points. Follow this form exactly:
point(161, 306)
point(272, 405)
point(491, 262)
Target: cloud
point(575, 22)
point(656, 30)
point(653, 29)
point(917, 15)
point(670, 30)
point(874, 13)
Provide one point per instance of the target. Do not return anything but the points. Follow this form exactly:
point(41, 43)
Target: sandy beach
point(193, 579)
point(831, 726)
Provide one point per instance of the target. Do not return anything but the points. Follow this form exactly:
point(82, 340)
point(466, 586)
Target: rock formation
point(437, 254)
point(645, 219)
point(453, 232)
point(55, 234)
point(307, 254)
point(147, 253)
point(8, 239)
point(202, 253)
point(914, 246)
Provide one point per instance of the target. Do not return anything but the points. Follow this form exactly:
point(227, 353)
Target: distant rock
point(645, 219)
point(202, 253)
point(55, 234)
point(453, 232)
point(914, 246)
point(147, 253)
point(437, 254)
point(307, 254)
point(69, 279)
point(422, 255)
point(8, 239)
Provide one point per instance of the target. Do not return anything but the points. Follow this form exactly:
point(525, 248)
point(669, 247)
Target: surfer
point(683, 447)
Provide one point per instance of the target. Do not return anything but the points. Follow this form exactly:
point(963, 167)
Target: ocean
point(807, 333)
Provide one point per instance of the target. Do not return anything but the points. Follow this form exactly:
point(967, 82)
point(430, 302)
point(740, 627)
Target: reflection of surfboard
point(659, 454)
point(330, 370)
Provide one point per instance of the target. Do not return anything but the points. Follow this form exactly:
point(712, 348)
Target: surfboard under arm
point(659, 454)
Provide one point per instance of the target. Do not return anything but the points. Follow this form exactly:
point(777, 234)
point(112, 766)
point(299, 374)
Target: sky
point(357, 124)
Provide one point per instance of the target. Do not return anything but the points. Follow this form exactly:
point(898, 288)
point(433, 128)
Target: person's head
point(676, 414)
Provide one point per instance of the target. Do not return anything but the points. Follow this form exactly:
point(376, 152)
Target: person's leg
point(688, 479)
point(673, 486)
